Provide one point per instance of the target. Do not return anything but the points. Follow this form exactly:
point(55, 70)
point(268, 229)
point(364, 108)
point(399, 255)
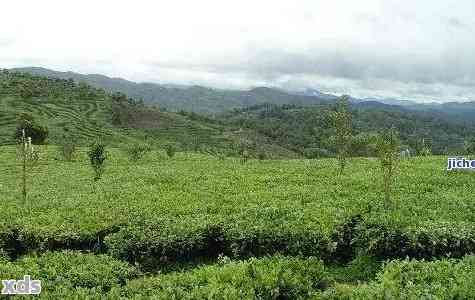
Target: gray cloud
point(421, 50)
point(363, 66)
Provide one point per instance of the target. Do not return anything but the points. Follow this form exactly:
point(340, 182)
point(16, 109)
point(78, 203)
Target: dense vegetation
point(80, 112)
point(164, 213)
point(72, 274)
point(309, 130)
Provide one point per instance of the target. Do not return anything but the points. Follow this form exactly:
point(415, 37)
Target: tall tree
point(341, 118)
point(388, 155)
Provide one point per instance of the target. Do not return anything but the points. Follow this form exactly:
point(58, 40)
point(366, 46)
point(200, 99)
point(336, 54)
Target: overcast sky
point(420, 49)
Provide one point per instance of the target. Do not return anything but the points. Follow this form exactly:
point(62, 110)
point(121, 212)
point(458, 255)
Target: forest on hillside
point(309, 130)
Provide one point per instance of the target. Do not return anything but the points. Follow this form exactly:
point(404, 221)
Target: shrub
point(213, 151)
point(444, 279)
point(137, 151)
point(68, 150)
point(67, 146)
point(388, 154)
point(243, 152)
point(431, 240)
point(267, 278)
point(36, 132)
point(97, 157)
point(170, 150)
point(163, 240)
point(312, 153)
point(262, 155)
point(245, 156)
point(3, 256)
point(29, 157)
point(65, 271)
point(469, 146)
point(341, 119)
point(411, 279)
point(221, 155)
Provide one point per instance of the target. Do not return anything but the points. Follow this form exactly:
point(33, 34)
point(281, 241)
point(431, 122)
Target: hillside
point(57, 104)
point(88, 113)
point(189, 98)
point(209, 101)
point(277, 130)
point(308, 130)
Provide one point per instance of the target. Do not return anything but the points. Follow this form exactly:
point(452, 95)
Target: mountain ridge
point(207, 100)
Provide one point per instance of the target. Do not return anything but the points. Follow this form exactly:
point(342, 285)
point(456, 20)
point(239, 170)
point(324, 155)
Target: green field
point(207, 226)
point(187, 225)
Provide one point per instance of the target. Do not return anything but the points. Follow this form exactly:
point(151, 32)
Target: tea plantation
point(199, 227)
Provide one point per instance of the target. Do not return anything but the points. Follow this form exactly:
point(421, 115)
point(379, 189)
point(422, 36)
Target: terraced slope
point(85, 118)
point(87, 113)
point(57, 104)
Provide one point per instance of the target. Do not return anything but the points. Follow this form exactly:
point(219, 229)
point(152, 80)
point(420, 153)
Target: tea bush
point(69, 270)
point(170, 149)
point(97, 157)
point(268, 278)
point(165, 241)
point(196, 208)
point(436, 239)
point(411, 279)
point(137, 151)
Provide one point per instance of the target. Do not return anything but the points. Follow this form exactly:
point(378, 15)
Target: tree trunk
point(24, 172)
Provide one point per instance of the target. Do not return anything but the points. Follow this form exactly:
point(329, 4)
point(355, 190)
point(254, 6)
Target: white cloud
point(417, 49)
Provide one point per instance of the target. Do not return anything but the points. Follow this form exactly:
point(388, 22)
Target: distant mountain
point(189, 98)
point(392, 101)
point(210, 101)
point(330, 97)
point(463, 111)
point(459, 111)
point(316, 93)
